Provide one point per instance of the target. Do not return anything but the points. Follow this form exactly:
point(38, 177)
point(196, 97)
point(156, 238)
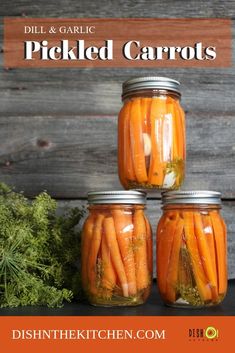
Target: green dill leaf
point(39, 251)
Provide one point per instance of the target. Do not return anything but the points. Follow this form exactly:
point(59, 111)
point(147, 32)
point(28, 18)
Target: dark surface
point(58, 127)
point(154, 307)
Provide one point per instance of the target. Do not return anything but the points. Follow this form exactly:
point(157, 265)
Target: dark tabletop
point(153, 307)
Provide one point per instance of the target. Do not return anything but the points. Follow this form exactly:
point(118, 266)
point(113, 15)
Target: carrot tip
point(125, 289)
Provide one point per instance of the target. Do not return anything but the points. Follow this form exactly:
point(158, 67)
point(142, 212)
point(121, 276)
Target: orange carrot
point(123, 141)
point(220, 247)
point(137, 144)
point(172, 272)
point(140, 250)
point(145, 111)
point(225, 234)
point(111, 239)
point(164, 219)
point(145, 105)
point(191, 242)
point(108, 275)
point(156, 168)
point(149, 246)
point(171, 111)
point(169, 215)
point(93, 253)
point(204, 251)
point(182, 130)
point(85, 247)
point(164, 248)
point(208, 230)
point(124, 232)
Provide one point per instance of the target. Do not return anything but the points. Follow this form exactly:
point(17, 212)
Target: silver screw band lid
point(191, 197)
point(149, 82)
point(117, 197)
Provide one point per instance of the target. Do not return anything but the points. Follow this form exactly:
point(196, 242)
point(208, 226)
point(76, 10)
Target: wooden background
point(58, 126)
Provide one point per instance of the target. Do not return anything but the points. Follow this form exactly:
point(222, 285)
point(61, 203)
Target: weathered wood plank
point(93, 91)
point(69, 155)
point(98, 91)
point(154, 213)
point(122, 8)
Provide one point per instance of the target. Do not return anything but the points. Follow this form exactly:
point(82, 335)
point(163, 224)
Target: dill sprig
point(39, 251)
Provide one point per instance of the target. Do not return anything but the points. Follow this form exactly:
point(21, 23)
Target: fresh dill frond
point(39, 251)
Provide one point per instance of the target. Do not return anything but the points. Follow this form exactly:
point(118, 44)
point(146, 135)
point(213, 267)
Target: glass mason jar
point(191, 249)
point(117, 249)
point(151, 134)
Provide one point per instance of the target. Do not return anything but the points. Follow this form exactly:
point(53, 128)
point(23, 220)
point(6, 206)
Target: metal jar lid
point(191, 197)
point(149, 82)
point(117, 197)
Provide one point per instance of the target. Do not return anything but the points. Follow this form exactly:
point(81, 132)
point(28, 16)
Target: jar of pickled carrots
point(151, 134)
point(191, 249)
point(117, 249)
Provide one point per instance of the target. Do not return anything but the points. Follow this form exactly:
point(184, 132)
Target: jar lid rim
point(117, 197)
point(191, 197)
point(150, 82)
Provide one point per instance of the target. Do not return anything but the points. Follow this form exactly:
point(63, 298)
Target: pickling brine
point(151, 135)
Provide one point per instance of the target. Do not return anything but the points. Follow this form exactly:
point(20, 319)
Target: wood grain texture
point(70, 155)
point(121, 8)
point(98, 91)
point(154, 212)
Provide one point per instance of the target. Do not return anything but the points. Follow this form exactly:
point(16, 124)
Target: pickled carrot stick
point(137, 143)
point(220, 247)
point(204, 251)
point(225, 234)
point(164, 248)
point(145, 105)
point(172, 272)
point(122, 143)
point(124, 231)
point(175, 142)
point(156, 168)
point(182, 131)
point(85, 247)
point(149, 246)
point(93, 253)
point(124, 130)
point(208, 229)
point(111, 239)
point(191, 242)
point(162, 221)
point(145, 112)
point(140, 250)
point(108, 275)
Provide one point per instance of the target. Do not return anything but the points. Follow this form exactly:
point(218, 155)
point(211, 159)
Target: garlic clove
point(147, 144)
point(169, 180)
point(181, 301)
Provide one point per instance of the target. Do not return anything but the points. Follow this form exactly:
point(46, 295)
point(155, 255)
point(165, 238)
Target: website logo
point(209, 333)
